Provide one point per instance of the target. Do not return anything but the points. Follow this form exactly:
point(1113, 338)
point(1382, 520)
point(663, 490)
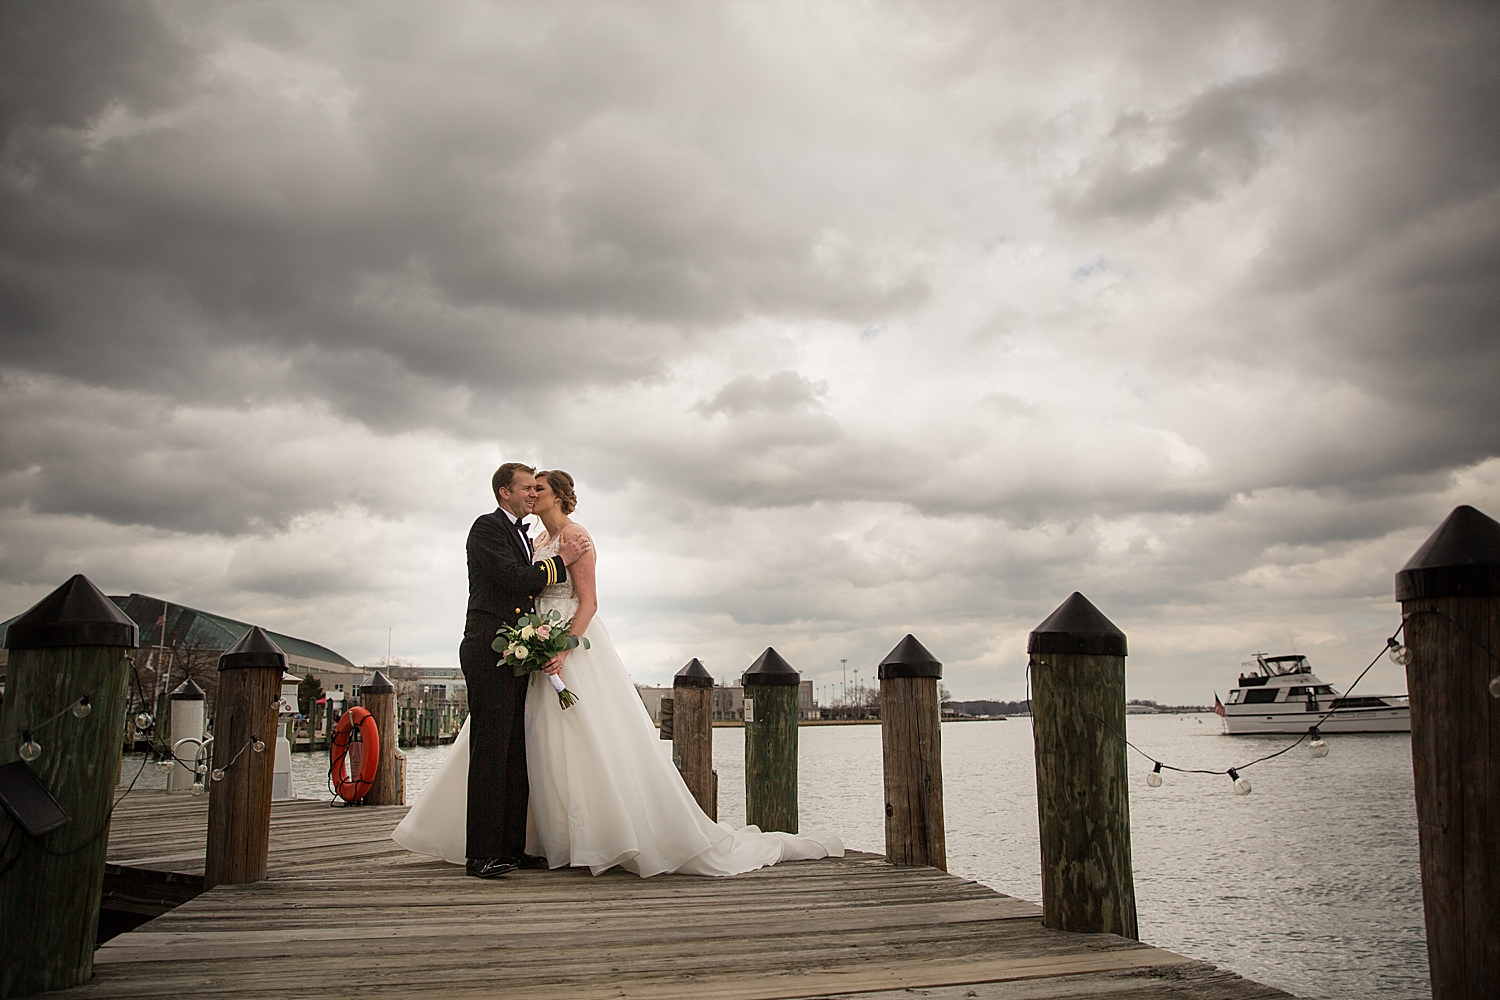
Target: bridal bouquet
point(532, 642)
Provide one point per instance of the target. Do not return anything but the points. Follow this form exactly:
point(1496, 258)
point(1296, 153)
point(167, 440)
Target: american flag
point(1218, 705)
point(162, 621)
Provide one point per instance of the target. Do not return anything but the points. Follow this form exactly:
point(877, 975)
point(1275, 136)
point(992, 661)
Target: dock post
point(1450, 604)
point(771, 690)
point(379, 697)
point(242, 772)
point(693, 733)
point(187, 702)
point(1083, 795)
point(68, 669)
point(911, 751)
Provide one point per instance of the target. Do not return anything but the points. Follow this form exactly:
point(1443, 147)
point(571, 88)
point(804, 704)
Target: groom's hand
point(575, 548)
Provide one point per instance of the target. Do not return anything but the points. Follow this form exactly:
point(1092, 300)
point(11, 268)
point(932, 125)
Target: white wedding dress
point(604, 790)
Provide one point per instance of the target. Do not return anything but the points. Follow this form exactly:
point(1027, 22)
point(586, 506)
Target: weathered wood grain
point(239, 806)
point(49, 900)
point(1455, 748)
point(912, 757)
point(771, 758)
point(693, 744)
point(398, 925)
point(1083, 795)
point(387, 790)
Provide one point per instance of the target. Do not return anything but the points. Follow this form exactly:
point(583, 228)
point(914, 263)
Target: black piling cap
point(379, 684)
point(1077, 627)
point(770, 668)
point(1461, 559)
point(693, 675)
point(186, 691)
point(255, 649)
point(75, 614)
point(910, 659)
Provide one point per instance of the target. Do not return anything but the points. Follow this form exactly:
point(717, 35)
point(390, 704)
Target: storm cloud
point(850, 319)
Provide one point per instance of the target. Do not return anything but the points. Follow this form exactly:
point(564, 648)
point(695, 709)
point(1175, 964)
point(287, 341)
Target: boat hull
point(1353, 720)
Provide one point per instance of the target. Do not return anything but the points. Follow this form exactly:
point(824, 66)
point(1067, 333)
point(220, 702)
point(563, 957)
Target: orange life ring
point(356, 754)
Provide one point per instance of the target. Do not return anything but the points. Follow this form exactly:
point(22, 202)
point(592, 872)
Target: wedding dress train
point(604, 791)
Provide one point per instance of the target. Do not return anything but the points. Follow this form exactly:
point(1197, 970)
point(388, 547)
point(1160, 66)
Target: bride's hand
point(554, 665)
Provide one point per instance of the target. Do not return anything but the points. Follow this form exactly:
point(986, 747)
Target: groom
point(503, 584)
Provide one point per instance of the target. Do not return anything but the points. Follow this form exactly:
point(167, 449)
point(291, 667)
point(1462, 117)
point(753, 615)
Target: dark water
point(1310, 883)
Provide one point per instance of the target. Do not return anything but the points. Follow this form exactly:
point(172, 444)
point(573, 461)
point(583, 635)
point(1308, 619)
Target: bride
point(604, 791)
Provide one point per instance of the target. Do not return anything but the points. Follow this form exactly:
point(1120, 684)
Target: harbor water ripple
point(1311, 883)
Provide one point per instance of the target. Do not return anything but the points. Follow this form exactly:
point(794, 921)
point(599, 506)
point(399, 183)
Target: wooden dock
point(346, 912)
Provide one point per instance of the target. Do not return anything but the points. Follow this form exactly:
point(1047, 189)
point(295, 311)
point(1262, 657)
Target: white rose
point(528, 632)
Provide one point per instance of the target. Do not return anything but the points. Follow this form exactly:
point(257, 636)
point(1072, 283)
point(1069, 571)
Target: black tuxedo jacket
point(503, 581)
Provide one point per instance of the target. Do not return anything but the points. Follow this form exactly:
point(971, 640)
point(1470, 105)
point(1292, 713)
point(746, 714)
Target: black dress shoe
point(527, 861)
point(488, 867)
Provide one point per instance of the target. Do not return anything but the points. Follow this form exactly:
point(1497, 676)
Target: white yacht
point(1280, 694)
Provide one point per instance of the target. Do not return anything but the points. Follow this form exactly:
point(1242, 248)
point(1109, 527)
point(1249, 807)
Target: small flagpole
point(167, 685)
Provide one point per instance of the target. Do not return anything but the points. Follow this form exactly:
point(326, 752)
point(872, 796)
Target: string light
point(198, 788)
point(82, 707)
point(218, 774)
point(164, 765)
point(1154, 778)
point(1241, 785)
point(258, 746)
point(1400, 655)
point(143, 721)
point(1495, 686)
point(30, 749)
point(1317, 747)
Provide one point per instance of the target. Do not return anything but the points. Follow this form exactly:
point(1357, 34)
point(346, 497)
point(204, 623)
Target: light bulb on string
point(1241, 785)
point(29, 749)
point(1317, 747)
point(218, 774)
point(81, 707)
point(1154, 778)
point(1399, 654)
point(1495, 686)
point(197, 788)
point(258, 746)
point(202, 768)
point(143, 721)
point(164, 766)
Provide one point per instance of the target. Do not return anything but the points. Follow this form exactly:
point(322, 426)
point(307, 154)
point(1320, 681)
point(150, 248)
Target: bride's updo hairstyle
point(562, 486)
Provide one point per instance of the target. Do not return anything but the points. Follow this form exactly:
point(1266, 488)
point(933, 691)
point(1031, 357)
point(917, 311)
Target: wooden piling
point(771, 689)
point(693, 733)
point(73, 644)
point(239, 785)
point(1450, 605)
point(911, 750)
point(664, 719)
point(1083, 800)
point(379, 698)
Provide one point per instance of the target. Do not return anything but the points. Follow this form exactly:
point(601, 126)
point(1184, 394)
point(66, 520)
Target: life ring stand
point(356, 746)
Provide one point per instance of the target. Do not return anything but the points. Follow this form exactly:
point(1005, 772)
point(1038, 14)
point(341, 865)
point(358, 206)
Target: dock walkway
point(346, 912)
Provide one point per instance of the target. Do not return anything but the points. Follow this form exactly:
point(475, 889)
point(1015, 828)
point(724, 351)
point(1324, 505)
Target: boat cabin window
point(1360, 703)
point(1234, 696)
point(1261, 696)
point(1322, 689)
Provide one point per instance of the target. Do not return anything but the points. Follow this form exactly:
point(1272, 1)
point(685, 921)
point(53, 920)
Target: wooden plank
point(837, 926)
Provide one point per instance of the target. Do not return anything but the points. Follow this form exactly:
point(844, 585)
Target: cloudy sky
point(851, 319)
